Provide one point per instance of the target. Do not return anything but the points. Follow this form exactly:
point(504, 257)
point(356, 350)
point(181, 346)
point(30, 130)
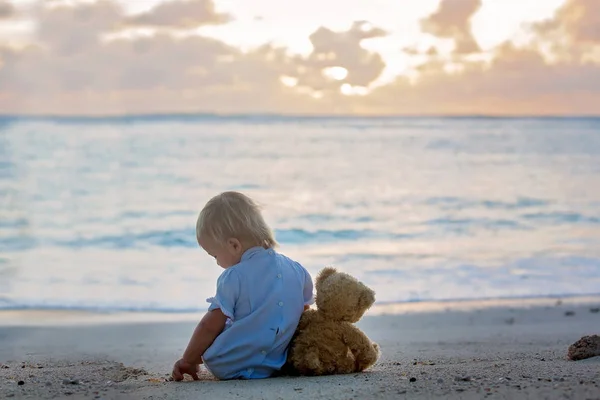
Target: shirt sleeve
point(309, 297)
point(228, 289)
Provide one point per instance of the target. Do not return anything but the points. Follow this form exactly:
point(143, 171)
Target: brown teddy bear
point(326, 342)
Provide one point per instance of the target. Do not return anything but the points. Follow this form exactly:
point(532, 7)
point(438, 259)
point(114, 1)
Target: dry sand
point(497, 352)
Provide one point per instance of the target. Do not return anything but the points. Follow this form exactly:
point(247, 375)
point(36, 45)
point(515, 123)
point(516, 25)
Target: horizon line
point(285, 116)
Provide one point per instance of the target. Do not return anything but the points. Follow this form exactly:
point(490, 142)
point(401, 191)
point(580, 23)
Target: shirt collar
point(252, 252)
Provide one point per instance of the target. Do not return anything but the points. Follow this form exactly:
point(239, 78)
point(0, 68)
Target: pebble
point(70, 382)
point(463, 378)
point(413, 379)
point(20, 383)
point(440, 380)
point(569, 313)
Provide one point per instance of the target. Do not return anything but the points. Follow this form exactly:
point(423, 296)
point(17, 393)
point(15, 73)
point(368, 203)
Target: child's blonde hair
point(234, 215)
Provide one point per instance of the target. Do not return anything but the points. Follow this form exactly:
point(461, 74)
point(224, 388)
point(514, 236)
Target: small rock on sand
point(586, 347)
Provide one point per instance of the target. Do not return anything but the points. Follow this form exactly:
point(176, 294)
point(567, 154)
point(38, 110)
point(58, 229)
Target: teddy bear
point(326, 341)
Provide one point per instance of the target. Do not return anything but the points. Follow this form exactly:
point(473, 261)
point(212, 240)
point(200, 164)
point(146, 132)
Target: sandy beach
point(471, 351)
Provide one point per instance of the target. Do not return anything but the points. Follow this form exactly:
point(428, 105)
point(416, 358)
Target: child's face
point(226, 254)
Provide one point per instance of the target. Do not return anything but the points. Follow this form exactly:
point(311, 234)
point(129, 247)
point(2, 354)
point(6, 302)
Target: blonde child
point(260, 295)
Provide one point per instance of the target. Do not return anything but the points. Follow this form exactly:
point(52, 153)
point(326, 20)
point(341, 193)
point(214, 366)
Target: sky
point(356, 57)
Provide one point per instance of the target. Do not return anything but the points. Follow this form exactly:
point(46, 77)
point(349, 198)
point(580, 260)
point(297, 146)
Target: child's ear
point(234, 245)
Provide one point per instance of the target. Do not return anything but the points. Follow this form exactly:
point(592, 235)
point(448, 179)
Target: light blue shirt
point(263, 297)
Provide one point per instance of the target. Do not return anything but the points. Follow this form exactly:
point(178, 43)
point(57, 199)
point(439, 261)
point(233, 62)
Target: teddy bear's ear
point(324, 274)
point(366, 299)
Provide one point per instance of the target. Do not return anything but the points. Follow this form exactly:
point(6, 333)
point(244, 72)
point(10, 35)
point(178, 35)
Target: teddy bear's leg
point(346, 365)
point(365, 352)
point(311, 363)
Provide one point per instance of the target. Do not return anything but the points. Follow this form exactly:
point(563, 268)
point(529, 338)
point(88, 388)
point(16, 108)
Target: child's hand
point(181, 367)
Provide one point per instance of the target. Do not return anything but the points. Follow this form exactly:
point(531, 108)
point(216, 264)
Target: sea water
point(99, 214)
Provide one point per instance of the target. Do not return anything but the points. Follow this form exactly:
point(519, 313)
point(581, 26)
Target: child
point(260, 295)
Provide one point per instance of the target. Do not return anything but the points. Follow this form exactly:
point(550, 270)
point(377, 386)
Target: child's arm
point(308, 290)
point(208, 329)
point(205, 333)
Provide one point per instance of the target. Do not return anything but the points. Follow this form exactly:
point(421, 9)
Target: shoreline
point(66, 317)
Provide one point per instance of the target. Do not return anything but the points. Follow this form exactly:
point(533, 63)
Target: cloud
point(452, 20)
point(181, 14)
point(7, 10)
point(518, 81)
point(71, 68)
point(65, 30)
point(579, 20)
point(513, 80)
point(340, 50)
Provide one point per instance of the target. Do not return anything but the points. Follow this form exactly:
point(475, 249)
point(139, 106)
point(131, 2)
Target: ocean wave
point(187, 238)
point(458, 203)
point(566, 217)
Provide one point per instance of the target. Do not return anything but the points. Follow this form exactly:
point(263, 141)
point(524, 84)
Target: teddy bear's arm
point(365, 352)
point(306, 319)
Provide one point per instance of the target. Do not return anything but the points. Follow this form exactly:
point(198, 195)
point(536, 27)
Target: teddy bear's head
point(341, 297)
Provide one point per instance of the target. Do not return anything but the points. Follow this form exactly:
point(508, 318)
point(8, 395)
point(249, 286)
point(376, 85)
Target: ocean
point(99, 213)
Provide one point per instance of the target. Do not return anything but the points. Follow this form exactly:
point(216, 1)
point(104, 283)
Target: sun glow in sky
point(307, 52)
point(289, 23)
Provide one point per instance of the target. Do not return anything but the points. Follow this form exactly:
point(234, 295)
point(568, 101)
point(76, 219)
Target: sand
point(481, 351)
